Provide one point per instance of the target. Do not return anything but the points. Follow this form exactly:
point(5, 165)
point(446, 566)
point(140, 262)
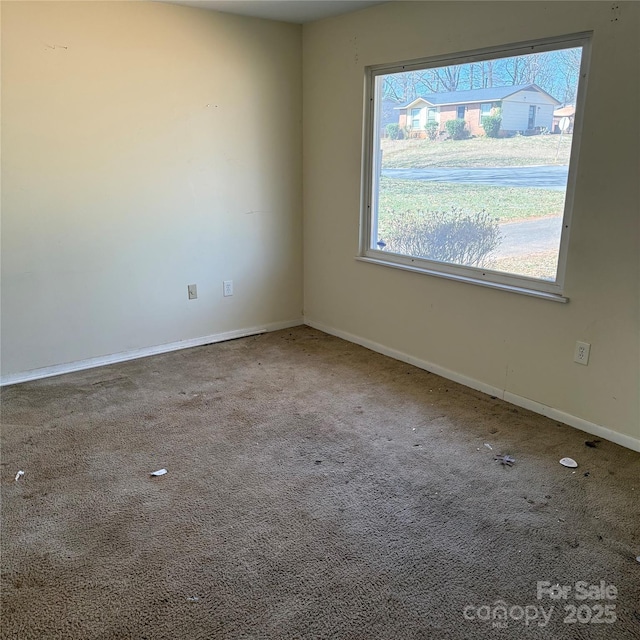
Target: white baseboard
point(555, 414)
point(573, 421)
point(90, 363)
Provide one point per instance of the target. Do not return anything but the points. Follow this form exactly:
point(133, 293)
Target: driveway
point(530, 236)
point(542, 177)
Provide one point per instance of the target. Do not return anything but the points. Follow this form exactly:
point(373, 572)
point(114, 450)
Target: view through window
point(468, 163)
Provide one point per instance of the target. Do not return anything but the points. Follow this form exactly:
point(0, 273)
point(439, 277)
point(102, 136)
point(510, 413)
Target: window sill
point(553, 297)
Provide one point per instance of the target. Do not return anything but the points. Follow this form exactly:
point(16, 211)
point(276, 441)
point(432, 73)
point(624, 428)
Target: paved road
point(530, 236)
point(544, 177)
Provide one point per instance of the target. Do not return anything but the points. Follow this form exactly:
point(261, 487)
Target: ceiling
point(298, 11)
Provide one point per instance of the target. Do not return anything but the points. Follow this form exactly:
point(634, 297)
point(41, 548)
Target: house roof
point(476, 95)
point(568, 111)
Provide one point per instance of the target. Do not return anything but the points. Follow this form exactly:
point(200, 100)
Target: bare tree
point(486, 68)
point(571, 59)
point(402, 87)
point(556, 72)
point(515, 70)
point(450, 77)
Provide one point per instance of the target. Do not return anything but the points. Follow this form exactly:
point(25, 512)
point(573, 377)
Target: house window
point(432, 114)
point(484, 205)
point(415, 118)
point(485, 110)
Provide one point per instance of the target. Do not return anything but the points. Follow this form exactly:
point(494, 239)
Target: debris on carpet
point(505, 460)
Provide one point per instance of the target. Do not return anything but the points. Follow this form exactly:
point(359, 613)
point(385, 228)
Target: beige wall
point(125, 177)
point(500, 340)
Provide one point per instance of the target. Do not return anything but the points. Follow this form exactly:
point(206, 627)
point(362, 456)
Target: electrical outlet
point(192, 291)
point(581, 354)
point(227, 288)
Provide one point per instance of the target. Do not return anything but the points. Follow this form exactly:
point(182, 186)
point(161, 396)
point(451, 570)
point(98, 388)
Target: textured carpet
point(315, 489)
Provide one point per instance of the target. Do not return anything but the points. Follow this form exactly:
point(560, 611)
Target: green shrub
point(454, 237)
point(492, 125)
point(432, 130)
point(393, 131)
point(457, 129)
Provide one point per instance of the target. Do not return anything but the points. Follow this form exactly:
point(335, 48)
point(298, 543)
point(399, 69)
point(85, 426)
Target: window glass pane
point(486, 186)
point(415, 118)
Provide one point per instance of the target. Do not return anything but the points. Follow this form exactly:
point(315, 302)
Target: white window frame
point(415, 118)
point(370, 161)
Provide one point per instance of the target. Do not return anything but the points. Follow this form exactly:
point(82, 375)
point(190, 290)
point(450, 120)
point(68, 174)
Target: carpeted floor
point(315, 489)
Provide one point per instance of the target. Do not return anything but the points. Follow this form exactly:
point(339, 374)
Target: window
point(415, 118)
point(485, 110)
point(488, 204)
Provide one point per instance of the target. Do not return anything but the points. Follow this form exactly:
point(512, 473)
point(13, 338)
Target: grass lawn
point(399, 200)
point(534, 265)
point(518, 151)
point(507, 204)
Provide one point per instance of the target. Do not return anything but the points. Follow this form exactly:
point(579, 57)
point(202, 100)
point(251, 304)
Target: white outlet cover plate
point(581, 354)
